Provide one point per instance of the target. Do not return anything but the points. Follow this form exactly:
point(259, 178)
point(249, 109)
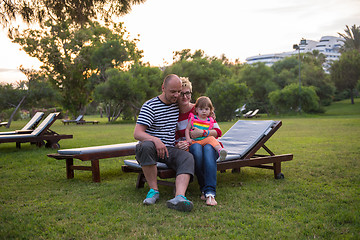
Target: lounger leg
point(277, 171)
point(69, 169)
point(140, 180)
point(18, 145)
point(95, 170)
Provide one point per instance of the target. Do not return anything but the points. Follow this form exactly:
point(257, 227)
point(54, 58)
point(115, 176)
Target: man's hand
point(141, 135)
point(160, 148)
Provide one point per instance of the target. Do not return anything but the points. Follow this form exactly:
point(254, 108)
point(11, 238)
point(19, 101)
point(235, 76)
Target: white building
point(328, 45)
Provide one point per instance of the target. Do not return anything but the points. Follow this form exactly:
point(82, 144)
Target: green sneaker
point(180, 203)
point(151, 197)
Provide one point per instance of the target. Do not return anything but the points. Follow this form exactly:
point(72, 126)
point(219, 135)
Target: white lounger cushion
point(44, 124)
point(11, 136)
point(35, 119)
point(135, 164)
point(243, 136)
point(96, 149)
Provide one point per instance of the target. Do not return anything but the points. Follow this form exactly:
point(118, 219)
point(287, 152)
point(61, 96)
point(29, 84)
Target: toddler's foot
point(210, 200)
point(222, 154)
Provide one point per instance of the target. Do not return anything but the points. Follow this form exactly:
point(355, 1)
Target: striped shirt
point(160, 119)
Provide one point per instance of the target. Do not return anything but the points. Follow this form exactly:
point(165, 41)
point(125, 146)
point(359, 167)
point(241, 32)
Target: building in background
point(328, 45)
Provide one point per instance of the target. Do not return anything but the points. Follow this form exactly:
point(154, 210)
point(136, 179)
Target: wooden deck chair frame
point(41, 134)
point(94, 154)
point(252, 159)
point(29, 127)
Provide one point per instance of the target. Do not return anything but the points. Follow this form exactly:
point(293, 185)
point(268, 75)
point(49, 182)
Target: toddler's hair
point(203, 102)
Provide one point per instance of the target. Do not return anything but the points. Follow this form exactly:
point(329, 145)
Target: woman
point(205, 157)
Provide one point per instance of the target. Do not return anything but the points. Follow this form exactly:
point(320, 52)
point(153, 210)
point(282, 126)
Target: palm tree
point(351, 38)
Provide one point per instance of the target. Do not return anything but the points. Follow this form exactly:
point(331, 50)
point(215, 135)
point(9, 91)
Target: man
point(155, 129)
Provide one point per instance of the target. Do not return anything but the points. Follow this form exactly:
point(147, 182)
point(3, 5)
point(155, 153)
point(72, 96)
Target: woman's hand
point(183, 145)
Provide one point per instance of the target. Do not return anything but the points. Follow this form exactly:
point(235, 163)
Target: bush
point(226, 96)
point(288, 99)
point(7, 113)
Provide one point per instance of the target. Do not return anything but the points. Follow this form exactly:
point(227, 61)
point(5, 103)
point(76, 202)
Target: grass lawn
point(319, 197)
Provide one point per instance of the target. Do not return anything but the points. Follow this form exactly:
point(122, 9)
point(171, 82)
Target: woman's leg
point(197, 151)
point(209, 169)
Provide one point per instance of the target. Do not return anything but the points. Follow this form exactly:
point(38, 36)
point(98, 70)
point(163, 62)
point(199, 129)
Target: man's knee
point(145, 152)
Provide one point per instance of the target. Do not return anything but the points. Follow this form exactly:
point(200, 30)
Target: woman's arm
point(187, 132)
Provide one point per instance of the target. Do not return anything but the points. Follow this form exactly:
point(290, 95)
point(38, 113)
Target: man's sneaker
point(151, 197)
point(180, 203)
point(222, 155)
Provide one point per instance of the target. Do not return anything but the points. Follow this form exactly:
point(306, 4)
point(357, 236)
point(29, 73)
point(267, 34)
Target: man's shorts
point(179, 160)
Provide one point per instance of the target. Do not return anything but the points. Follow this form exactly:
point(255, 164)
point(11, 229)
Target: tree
point(11, 99)
point(351, 38)
point(346, 72)
point(286, 71)
point(77, 11)
point(40, 93)
point(125, 92)
point(114, 93)
point(36, 91)
point(66, 52)
point(226, 96)
point(146, 84)
point(113, 53)
point(199, 68)
point(313, 74)
point(259, 79)
point(287, 99)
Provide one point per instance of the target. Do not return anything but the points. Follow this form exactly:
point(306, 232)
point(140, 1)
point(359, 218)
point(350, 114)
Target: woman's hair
point(203, 102)
point(186, 82)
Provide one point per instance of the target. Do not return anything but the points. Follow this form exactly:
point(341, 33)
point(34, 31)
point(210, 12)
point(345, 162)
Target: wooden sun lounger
point(253, 114)
point(240, 153)
point(233, 161)
point(41, 134)
point(78, 120)
point(29, 127)
point(247, 114)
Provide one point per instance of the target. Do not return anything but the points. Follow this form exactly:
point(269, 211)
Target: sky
point(238, 29)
